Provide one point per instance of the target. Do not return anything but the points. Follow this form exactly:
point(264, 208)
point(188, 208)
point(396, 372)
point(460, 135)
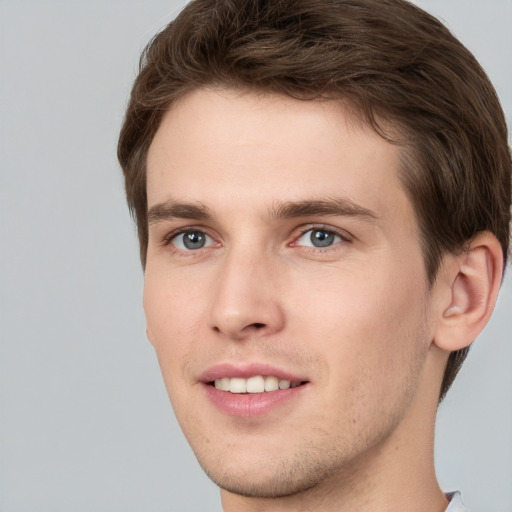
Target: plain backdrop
point(85, 423)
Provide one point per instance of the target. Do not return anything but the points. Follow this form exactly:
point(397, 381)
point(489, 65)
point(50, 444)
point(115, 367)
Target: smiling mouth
point(254, 385)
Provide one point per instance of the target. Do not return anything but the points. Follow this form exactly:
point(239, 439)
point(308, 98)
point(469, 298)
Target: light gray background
point(85, 423)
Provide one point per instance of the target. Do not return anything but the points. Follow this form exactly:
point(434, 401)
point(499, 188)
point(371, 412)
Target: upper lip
point(246, 371)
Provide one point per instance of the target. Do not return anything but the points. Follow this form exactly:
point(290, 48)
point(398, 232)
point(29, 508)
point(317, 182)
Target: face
point(285, 290)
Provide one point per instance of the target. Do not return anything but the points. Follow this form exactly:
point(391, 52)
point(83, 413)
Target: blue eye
point(319, 238)
point(192, 240)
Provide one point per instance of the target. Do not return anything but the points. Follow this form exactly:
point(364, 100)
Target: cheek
point(170, 328)
point(367, 322)
point(170, 306)
point(375, 348)
point(172, 321)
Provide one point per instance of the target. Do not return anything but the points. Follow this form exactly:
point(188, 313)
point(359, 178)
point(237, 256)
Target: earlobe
point(473, 289)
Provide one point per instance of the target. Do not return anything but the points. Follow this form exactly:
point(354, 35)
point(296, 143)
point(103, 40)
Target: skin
point(356, 318)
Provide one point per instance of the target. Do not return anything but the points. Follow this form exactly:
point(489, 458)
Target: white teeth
point(284, 384)
point(271, 383)
point(238, 385)
point(223, 384)
point(256, 384)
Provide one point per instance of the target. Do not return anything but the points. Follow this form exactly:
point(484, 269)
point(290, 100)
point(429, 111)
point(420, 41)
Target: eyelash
point(343, 235)
point(168, 239)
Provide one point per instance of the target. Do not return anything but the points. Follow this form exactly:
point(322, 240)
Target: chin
point(276, 478)
point(277, 485)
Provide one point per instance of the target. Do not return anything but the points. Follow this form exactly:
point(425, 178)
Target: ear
point(471, 282)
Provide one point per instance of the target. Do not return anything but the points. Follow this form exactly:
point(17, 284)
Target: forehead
point(248, 148)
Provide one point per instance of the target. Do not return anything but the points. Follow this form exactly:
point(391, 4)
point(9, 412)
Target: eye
point(191, 240)
point(319, 238)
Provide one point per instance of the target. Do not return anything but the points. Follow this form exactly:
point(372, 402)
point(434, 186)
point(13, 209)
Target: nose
point(246, 299)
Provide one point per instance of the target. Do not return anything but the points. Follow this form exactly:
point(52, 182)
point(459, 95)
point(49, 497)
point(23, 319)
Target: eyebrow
point(335, 206)
point(173, 210)
point(332, 206)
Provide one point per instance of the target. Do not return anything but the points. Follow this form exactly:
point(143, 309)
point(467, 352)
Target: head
point(395, 64)
point(394, 69)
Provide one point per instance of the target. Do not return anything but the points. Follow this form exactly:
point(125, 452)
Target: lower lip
point(250, 405)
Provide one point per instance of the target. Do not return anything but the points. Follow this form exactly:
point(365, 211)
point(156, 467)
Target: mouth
point(254, 385)
point(252, 390)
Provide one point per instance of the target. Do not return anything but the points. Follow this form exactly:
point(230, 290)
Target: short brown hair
point(391, 60)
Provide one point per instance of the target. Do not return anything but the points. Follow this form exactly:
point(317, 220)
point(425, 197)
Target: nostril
point(257, 325)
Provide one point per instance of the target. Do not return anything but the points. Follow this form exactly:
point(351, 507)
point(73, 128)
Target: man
point(322, 193)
